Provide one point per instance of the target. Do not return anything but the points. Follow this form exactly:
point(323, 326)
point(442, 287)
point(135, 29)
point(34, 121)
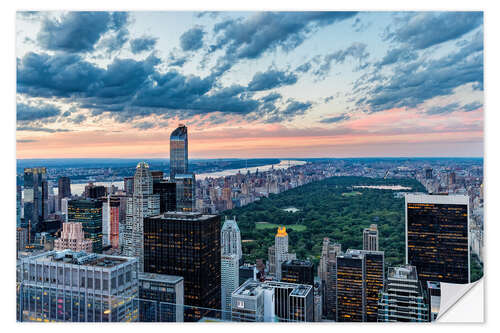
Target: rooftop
point(160, 277)
point(185, 216)
point(80, 258)
point(406, 272)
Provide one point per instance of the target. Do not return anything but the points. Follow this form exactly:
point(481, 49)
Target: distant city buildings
point(437, 237)
point(63, 189)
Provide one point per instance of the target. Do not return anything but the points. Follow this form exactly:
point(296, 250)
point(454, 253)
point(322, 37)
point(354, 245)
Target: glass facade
point(36, 198)
point(167, 191)
point(178, 151)
point(187, 245)
point(297, 271)
point(89, 214)
point(437, 241)
point(350, 288)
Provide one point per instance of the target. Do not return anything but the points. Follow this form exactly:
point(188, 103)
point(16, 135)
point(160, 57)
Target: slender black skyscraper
point(179, 151)
point(64, 188)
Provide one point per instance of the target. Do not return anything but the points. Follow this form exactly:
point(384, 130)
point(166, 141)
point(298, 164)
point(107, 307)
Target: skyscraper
point(187, 244)
point(437, 237)
point(297, 271)
point(73, 238)
point(128, 185)
point(229, 282)
point(370, 238)
point(161, 298)
point(89, 213)
point(168, 195)
point(141, 204)
point(179, 151)
point(185, 192)
point(83, 287)
point(35, 198)
point(327, 272)
point(19, 194)
point(281, 250)
point(231, 239)
point(403, 299)
point(63, 189)
point(360, 278)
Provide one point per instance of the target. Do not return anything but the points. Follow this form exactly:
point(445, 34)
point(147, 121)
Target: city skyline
point(120, 90)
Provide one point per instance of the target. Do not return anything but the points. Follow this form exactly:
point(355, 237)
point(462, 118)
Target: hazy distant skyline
point(250, 84)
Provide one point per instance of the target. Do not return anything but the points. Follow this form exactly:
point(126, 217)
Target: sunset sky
point(250, 84)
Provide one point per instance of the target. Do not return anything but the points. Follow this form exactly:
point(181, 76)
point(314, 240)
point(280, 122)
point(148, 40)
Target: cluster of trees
point(327, 213)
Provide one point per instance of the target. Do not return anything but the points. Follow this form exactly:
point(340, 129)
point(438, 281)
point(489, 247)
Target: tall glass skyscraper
point(35, 197)
point(89, 214)
point(179, 151)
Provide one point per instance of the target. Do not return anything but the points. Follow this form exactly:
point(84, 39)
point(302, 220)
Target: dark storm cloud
point(192, 39)
point(79, 31)
point(472, 106)
point(423, 30)
point(27, 112)
point(443, 109)
point(413, 83)
point(272, 78)
point(142, 44)
point(335, 119)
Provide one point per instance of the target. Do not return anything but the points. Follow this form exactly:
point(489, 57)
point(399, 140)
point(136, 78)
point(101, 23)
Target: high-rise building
point(88, 212)
point(428, 173)
point(95, 191)
point(452, 179)
point(64, 208)
point(350, 287)
point(297, 271)
point(185, 192)
point(157, 176)
point(142, 204)
point(187, 244)
point(63, 189)
point(370, 238)
point(35, 198)
point(73, 238)
point(179, 151)
point(271, 301)
point(161, 298)
point(437, 237)
point(19, 196)
point(327, 272)
point(281, 250)
point(231, 239)
point(247, 271)
point(67, 286)
point(433, 294)
point(403, 299)
point(168, 195)
point(229, 282)
point(21, 239)
point(128, 185)
point(360, 278)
